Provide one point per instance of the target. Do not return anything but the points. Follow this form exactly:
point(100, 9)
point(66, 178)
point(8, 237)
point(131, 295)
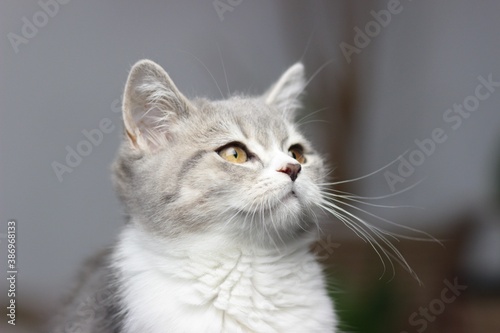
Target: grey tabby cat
point(221, 198)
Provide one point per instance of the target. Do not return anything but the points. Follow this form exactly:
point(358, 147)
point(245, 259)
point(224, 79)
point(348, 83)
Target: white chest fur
point(168, 288)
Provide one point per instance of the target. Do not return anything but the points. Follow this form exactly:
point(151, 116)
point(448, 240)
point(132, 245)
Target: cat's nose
point(291, 169)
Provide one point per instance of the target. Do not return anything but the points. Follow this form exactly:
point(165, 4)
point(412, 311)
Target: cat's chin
point(290, 196)
point(276, 229)
point(298, 233)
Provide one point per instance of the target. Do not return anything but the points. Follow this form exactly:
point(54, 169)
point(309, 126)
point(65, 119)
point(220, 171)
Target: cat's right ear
point(151, 105)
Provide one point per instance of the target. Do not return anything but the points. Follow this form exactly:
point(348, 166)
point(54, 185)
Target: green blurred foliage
point(371, 309)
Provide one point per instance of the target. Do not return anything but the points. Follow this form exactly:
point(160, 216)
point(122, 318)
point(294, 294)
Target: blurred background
point(404, 95)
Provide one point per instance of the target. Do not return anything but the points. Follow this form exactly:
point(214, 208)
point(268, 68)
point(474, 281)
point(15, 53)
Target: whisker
point(361, 233)
point(328, 62)
point(293, 105)
point(206, 68)
point(429, 237)
point(379, 233)
point(315, 219)
point(353, 227)
point(309, 39)
point(310, 114)
point(378, 197)
point(274, 226)
point(371, 173)
point(314, 121)
point(354, 199)
point(224, 70)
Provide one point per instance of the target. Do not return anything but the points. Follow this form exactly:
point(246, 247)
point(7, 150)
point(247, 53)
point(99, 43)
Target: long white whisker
point(315, 219)
point(354, 199)
point(378, 197)
point(429, 237)
point(371, 173)
point(353, 227)
point(358, 231)
point(292, 105)
point(380, 233)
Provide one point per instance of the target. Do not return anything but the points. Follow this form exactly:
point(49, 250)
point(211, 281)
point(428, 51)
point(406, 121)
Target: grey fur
point(97, 309)
point(172, 181)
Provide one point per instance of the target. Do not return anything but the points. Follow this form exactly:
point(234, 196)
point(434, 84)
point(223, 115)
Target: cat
point(220, 198)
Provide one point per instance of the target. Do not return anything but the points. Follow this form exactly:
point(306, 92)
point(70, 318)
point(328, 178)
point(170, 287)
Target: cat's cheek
point(307, 193)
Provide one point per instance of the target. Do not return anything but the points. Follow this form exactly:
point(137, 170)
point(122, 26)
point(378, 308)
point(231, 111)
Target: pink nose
point(291, 169)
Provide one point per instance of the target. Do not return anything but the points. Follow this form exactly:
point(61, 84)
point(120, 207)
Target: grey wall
point(428, 59)
point(70, 74)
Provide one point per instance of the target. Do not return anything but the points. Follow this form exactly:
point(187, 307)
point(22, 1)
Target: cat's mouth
point(289, 196)
point(293, 195)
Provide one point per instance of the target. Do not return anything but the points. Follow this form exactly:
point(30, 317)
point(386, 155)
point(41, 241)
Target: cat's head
point(238, 166)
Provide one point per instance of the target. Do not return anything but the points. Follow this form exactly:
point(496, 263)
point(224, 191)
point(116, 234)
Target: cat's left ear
point(284, 94)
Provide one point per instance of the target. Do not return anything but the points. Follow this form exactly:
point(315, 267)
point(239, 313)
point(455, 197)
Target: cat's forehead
point(247, 118)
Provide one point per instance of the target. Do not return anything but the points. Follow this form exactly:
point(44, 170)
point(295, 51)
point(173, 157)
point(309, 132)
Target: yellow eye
point(234, 154)
point(297, 153)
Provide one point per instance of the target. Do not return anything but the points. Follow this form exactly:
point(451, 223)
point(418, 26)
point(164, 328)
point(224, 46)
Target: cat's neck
point(207, 244)
point(213, 280)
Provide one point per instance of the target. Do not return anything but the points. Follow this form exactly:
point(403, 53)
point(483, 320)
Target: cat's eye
point(234, 154)
point(297, 152)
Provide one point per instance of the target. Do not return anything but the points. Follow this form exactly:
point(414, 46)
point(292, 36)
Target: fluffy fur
point(211, 245)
